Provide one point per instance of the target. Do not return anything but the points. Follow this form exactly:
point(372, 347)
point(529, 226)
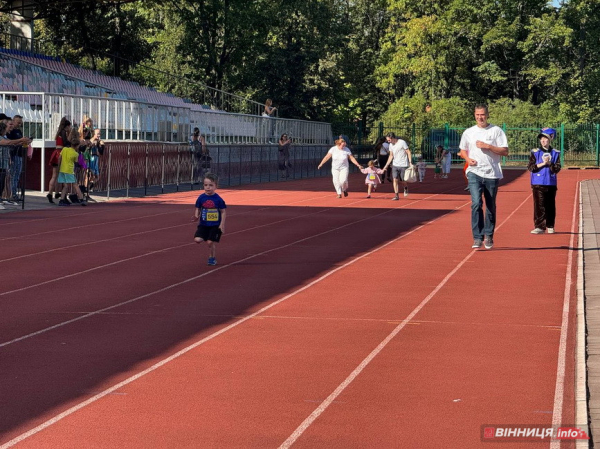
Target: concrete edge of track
point(581, 411)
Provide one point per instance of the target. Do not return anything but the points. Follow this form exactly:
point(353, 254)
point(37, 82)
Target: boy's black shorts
point(212, 233)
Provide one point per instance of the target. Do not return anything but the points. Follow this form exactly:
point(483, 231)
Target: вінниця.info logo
point(526, 433)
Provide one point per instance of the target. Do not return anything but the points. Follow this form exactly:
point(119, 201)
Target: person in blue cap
point(544, 165)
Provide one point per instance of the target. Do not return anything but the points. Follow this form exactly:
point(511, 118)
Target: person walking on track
point(482, 146)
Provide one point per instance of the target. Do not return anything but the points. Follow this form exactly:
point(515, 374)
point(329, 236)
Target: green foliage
point(340, 60)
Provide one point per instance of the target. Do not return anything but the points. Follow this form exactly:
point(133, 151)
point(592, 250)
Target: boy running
point(210, 210)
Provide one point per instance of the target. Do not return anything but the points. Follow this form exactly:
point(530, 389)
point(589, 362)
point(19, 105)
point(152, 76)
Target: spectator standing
point(95, 150)
point(61, 139)
point(4, 161)
point(340, 155)
point(86, 130)
point(268, 112)
point(544, 165)
point(17, 154)
point(482, 146)
point(446, 162)
point(283, 155)
point(421, 167)
point(269, 109)
point(201, 155)
point(400, 159)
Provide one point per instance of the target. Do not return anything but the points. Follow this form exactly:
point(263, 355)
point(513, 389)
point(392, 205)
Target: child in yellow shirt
point(66, 171)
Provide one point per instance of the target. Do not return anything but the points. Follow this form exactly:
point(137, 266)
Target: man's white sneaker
point(537, 231)
point(550, 230)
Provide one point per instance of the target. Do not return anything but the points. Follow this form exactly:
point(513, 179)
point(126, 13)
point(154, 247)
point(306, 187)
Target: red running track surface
point(328, 322)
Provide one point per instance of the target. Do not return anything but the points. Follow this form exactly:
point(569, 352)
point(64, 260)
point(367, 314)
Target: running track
point(327, 323)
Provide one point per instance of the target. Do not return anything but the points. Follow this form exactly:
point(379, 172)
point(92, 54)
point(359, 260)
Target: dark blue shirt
point(210, 209)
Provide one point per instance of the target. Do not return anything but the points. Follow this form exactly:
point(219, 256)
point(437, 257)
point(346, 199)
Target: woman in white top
point(340, 166)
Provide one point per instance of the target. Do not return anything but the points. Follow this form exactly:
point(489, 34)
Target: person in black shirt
point(17, 153)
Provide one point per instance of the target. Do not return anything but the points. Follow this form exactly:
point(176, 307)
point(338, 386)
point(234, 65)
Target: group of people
point(482, 146)
point(75, 162)
point(395, 157)
point(13, 149)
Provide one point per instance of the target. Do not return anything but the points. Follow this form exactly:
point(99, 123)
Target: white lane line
point(178, 354)
point(89, 225)
point(129, 259)
point(559, 389)
point(341, 387)
point(93, 242)
point(64, 215)
point(41, 331)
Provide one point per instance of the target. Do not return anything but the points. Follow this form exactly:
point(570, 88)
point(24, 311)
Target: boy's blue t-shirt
point(210, 209)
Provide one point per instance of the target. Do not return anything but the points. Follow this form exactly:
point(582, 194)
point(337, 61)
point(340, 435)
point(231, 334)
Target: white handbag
point(410, 174)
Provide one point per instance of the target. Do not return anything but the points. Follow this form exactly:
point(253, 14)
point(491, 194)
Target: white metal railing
point(127, 120)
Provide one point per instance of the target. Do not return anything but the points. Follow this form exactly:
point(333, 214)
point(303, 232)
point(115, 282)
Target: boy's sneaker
point(537, 231)
point(477, 243)
point(212, 261)
point(64, 203)
point(396, 198)
point(488, 242)
point(405, 191)
point(550, 230)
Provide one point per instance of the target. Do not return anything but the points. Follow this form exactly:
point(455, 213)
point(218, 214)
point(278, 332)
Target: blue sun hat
point(550, 133)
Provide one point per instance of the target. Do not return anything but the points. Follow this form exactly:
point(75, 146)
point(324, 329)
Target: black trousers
point(382, 161)
point(544, 206)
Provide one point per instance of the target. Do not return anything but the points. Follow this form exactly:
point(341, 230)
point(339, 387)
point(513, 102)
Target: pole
point(562, 143)
point(597, 144)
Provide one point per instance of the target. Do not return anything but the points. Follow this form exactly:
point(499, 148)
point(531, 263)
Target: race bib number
point(212, 215)
point(372, 176)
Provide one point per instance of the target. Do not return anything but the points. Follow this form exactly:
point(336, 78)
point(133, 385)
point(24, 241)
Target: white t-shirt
point(339, 158)
point(400, 157)
point(488, 162)
point(385, 149)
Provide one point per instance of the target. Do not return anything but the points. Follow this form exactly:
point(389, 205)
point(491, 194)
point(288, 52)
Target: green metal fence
point(579, 144)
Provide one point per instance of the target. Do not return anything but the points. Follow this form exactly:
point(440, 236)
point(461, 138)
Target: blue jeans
point(479, 186)
point(15, 174)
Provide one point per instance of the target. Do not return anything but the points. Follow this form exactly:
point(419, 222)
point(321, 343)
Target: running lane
point(480, 350)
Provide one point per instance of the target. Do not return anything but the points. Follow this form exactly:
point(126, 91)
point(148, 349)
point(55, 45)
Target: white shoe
point(537, 231)
point(550, 230)
point(2, 207)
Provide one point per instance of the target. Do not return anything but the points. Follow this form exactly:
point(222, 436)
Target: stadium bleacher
point(29, 72)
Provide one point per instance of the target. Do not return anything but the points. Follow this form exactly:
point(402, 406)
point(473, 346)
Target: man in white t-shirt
point(482, 147)
point(400, 158)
